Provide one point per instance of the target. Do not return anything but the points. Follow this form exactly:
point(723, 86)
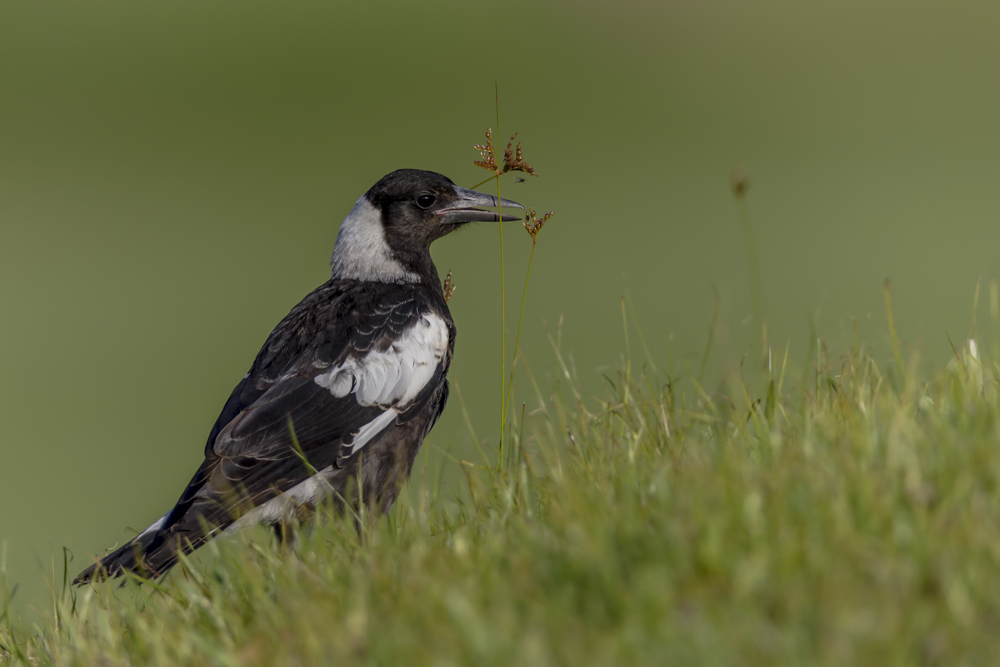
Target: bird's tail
point(150, 554)
point(156, 549)
point(129, 558)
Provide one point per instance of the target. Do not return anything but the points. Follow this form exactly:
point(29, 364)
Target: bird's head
point(388, 234)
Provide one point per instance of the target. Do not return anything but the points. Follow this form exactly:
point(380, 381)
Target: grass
point(846, 520)
point(513, 161)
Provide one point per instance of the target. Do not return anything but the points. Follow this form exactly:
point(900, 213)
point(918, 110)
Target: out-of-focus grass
point(849, 519)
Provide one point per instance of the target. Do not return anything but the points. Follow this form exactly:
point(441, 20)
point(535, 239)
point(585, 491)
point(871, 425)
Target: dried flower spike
point(513, 159)
point(533, 224)
point(449, 288)
point(489, 161)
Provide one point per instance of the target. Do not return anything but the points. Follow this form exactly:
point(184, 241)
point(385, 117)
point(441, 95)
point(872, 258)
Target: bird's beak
point(464, 209)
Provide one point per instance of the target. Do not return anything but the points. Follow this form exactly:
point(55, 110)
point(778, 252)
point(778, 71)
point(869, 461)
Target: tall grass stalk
point(517, 337)
point(897, 355)
point(513, 160)
point(995, 317)
point(740, 185)
point(503, 301)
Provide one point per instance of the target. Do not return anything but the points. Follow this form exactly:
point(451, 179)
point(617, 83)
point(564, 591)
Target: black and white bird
point(355, 375)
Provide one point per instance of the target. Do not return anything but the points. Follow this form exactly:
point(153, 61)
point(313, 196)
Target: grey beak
point(465, 208)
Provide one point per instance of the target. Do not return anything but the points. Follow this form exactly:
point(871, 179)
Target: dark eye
point(425, 201)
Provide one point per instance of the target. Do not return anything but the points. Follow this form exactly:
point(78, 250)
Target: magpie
point(344, 390)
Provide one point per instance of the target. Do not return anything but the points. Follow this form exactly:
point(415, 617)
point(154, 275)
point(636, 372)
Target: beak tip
point(506, 203)
point(467, 202)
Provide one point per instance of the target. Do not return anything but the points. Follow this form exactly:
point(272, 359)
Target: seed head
point(449, 288)
point(513, 160)
point(489, 161)
point(533, 225)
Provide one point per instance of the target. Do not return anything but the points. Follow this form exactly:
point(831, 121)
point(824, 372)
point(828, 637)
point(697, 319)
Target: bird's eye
point(425, 201)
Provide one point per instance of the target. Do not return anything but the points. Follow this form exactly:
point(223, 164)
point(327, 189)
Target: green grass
point(849, 520)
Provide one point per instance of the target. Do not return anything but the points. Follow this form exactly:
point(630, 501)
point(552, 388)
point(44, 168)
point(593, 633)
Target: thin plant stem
point(711, 336)
point(503, 333)
point(894, 338)
point(503, 301)
point(517, 338)
point(753, 266)
point(483, 182)
point(975, 309)
point(995, 317)
point(638, 329)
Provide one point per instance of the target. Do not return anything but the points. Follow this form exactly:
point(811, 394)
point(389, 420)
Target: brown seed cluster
point(533, 224)
point(489, 161)
point(449, 288)
point(513, 158)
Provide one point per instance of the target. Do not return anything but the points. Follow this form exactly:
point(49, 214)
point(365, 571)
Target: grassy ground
point(850, 517)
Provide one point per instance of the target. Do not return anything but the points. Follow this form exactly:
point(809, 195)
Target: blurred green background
point(172, 176)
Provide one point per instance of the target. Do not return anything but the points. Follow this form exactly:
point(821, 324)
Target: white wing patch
point(393, 378)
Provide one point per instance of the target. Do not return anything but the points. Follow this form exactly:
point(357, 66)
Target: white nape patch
point(155, 526)
point(361, 252)
point(307, 492)
point(392, 378)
